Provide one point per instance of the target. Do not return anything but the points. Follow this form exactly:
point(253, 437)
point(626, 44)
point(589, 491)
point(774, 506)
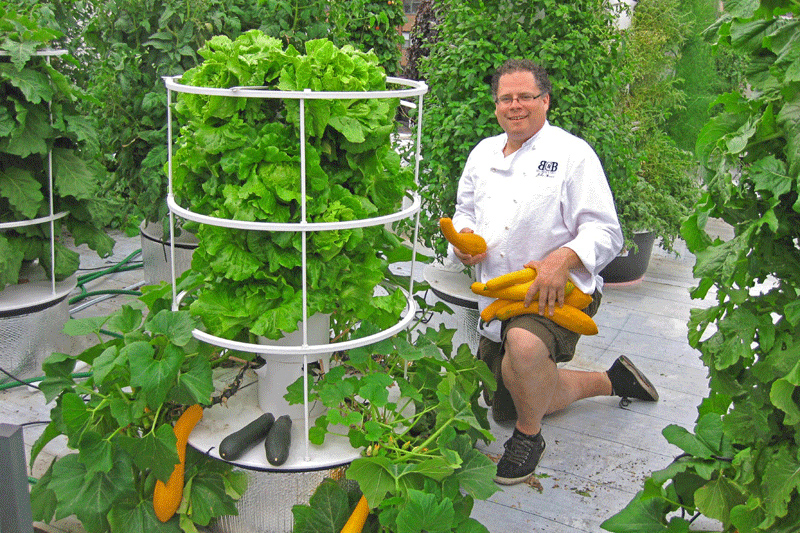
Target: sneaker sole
point(643, 381)
point(516, 480)
point(512, 481)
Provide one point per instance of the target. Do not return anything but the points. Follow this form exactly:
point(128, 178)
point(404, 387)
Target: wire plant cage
point(266, 507)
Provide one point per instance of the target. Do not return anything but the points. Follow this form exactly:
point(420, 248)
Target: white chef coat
point(551, 193)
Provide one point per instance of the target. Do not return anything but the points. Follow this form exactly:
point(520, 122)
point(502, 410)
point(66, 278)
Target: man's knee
point(524, 349)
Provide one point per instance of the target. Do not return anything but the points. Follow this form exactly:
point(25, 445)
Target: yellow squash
point(470, 243)
point(358, 517)
point(167, 496)
point(567, 316)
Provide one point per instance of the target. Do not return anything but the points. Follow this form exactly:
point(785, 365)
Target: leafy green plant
point(740, 462)
point(239, 158)
point(41, 127)
point(136, 42)
point(370, 25)
point(703, 73)
point(412, 403)
point(576, 41)
point(120, 422)
point(296, 21)
point(666, 185)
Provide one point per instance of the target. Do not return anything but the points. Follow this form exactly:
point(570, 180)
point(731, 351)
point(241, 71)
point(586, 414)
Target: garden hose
point(119, 267)
point(122, 266)
point(20, 382)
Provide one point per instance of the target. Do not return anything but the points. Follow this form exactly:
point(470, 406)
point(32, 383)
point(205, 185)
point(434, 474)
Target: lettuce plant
point(239, 158)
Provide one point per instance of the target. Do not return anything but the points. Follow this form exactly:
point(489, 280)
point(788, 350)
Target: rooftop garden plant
point(144, 370)
point(41, 130)
point(579, 44)
point(665, 184)
point(412, 404)
point(239, 158)
point(740, 461)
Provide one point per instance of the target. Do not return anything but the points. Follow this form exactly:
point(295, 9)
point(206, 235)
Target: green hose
point(122, 266)
point(13, 384)
point(119, 267)
point(86, 294)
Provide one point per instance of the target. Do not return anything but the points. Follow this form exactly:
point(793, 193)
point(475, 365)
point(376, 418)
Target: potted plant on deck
point(661, 185)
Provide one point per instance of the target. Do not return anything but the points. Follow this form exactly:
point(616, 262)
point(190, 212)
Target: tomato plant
point(42, 127)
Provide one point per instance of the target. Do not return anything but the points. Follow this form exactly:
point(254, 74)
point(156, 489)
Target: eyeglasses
point(524, 98)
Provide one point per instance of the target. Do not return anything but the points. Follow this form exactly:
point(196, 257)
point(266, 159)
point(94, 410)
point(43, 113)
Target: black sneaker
point(520, 458)
point(628, 381)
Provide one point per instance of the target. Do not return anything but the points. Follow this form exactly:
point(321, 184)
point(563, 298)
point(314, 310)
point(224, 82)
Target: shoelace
point(518, 450)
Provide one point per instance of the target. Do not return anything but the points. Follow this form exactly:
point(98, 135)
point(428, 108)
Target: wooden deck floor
point(598, 453)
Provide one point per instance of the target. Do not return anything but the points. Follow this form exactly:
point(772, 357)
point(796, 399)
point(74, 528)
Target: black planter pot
point(631, 266)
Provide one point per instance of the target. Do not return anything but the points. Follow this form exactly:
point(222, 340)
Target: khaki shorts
point(560, 341)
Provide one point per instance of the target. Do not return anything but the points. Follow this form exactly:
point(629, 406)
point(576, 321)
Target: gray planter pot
point(156, 253)
point(631, 266)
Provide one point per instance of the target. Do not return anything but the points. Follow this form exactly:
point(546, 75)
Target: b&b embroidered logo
point(547, 168)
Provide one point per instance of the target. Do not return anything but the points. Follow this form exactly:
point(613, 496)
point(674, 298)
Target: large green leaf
point(154, 451)
point(96, 452)
point(73, 176)
point(88, 233)
point(783, 476)
point(328, 511)
point(89, 496)
point(23, 191)
point(375, 477)
point(207, 498)
point(33, 84)
point(476, 475)
point(155, 375)
point(177, 326)
point(425, 512)
point(644, 516)
point(717, 497)
point(139, 516)
point(195, 384)
point(11, 259)
point(32, 135)
point(705, 443)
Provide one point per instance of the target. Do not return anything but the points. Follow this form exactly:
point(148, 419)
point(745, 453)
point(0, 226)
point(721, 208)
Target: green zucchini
point(237, 443)
point(278, 441)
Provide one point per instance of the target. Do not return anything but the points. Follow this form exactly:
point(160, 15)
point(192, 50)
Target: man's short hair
point(522, 65)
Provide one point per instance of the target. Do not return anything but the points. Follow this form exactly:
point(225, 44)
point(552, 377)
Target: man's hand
point(467, 259)
point(552, 274)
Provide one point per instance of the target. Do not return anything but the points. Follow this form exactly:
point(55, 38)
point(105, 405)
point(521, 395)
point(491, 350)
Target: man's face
point(520, 120)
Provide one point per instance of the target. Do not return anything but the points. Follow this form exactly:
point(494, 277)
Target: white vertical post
point(303, 215)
